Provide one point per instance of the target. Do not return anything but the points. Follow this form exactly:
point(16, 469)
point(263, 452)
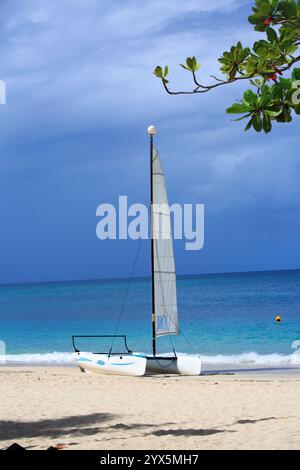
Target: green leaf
point(249, 125)
point(257, 122)
point(191, 64)
point(265, 7)
point(296, 72)
point(232, 72)
point(241, 118)
point(267, 125)
point(260, 27)
point(250, 97)
point(274, 112)
point(196, 65)
point(285, 115)
point(288, 9)
point(166, 71)
point(158, 72)
point(238, 108)
point(272, 35)
point(261, 46)
point(255, 19)
point(265, 99)
point(285, 83)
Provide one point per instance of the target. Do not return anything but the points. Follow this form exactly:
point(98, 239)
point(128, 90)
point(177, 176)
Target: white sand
point(43, 406)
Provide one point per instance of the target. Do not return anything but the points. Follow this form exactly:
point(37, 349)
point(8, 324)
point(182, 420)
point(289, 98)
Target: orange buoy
point(278, 319)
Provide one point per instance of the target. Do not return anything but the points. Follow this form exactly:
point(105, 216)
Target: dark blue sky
point(80, 95)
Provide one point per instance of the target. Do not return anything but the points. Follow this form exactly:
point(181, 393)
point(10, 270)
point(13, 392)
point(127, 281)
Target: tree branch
point(206, 88)
point(293, 61)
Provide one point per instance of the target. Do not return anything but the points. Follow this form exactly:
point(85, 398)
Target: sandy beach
point(43, 406)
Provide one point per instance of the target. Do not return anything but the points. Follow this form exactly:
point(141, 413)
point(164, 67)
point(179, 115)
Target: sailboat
point(164, 298)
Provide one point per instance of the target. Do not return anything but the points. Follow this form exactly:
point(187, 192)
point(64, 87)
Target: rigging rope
point(126, 294)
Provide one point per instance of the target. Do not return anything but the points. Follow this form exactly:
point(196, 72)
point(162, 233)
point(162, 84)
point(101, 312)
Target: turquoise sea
point(227, 318)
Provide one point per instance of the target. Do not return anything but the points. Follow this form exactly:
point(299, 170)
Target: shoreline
point(207, 369)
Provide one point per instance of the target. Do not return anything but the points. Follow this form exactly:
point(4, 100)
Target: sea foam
point(247, 358)
point(253, 358)
point(38, 358)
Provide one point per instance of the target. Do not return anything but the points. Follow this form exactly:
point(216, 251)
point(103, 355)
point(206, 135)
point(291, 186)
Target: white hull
point(136, 365)
point(183, 365)
point(104, 364)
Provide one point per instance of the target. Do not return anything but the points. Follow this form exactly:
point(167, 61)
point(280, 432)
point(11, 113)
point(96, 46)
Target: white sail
point(165, 298)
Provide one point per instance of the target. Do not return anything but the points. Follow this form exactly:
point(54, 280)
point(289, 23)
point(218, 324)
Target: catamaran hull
point(136, 365)
point(183, 365)
point(104, 364)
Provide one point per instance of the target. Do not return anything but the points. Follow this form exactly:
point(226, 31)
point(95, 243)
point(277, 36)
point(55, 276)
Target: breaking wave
point(253, 358)
point(37, 358)
point(247, 358)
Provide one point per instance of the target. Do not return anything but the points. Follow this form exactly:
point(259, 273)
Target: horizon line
point(67, 281)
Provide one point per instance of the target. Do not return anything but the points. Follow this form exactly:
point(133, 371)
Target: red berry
point(268, 21)
point(272, 76)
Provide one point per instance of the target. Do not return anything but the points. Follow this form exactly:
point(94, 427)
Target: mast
point(151, 132)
